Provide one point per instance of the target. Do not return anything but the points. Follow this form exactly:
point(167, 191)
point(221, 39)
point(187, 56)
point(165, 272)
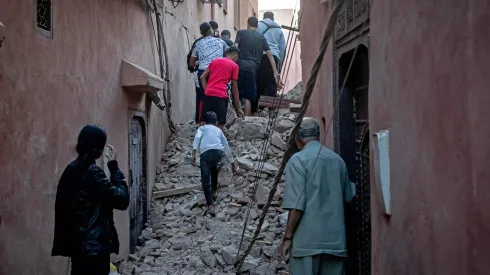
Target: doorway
point(353, 141)
point(138, 207)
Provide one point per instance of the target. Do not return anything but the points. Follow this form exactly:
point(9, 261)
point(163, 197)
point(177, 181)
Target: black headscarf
point(90, 139)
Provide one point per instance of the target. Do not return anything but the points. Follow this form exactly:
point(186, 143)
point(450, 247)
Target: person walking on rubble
point(251, 44)
point(212, 146)
point(316, 189)
point(207, 49)
point(266, 84)
point(84, 226)
point(220, 72)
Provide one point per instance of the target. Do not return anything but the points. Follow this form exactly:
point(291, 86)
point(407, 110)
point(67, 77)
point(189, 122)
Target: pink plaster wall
point(49, 90)
point(429, 87)
point(312, 26)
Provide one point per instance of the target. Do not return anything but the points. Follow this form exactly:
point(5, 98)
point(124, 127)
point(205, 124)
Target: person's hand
point(283, 249)
point(280, 86)
point(240, 113)
point(235, 169)
point(111, 153)
point(194, 162)
point(277, 77)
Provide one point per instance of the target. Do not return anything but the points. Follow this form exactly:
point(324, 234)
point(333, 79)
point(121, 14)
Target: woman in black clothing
point(84, 224)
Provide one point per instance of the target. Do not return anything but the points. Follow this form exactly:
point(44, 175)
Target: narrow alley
point(182, 239)
point(354, 130)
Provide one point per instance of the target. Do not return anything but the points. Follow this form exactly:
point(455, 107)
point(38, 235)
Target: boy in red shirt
point(219, 73)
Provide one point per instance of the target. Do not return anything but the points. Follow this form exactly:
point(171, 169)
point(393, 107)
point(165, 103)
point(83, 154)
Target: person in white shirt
point(213, 146)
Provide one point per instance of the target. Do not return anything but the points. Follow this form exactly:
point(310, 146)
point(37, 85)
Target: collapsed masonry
point(180, 239)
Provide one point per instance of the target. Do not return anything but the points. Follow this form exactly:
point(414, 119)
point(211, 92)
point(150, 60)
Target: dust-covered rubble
point(180, 239)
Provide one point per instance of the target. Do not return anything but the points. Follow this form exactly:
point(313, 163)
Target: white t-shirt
point(208, 49)
point(210, 137)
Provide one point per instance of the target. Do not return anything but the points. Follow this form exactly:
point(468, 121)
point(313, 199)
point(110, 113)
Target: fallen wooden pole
point(176, 191)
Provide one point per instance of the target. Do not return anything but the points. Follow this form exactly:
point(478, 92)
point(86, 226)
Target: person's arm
point(192, 62)
point(226, 147)
point(273, 63)
point(293, 218)
point(237, 40)
point(204, 82)
point(194, 58)
point(294, 195)
point(113, 192)
point(349, 187)
point(225, 47)
point(267, 50)
point(282, 49)
point(197, 141)
point(235, 93)
point(236, 97)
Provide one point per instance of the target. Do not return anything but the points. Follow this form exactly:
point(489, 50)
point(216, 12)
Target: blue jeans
point(210, 165)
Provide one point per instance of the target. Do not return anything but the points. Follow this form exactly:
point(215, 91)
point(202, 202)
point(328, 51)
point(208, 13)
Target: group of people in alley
point(316, 188)
point(245, 69)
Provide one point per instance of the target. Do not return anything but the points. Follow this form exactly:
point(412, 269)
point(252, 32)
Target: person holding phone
point(84, 224)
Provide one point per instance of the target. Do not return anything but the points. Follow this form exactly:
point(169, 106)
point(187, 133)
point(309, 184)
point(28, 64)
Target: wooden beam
point(176, 191)
point(294, 107)
point(273, 102)
point(289, 28)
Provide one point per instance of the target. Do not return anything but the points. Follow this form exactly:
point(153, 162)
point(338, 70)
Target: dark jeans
point(266, 84)
point(91, 265)
point(210, 165)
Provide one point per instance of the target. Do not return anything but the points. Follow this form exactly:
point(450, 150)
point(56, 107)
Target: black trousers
point(210, 165)
point(266, 84)
point(91, 265)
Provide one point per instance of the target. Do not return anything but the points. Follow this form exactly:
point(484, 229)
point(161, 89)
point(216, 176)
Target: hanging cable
point(263, 152)
point(163, 63)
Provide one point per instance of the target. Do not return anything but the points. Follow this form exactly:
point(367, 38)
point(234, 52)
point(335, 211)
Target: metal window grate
point(44, 15)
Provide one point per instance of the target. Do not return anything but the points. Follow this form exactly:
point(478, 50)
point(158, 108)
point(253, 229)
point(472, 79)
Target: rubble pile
point(182, 239)
point(296, 92)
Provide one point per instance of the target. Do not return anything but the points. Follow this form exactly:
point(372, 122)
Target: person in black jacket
point(84, 224)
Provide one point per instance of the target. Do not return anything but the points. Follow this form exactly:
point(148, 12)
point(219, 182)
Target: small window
point(44, 18)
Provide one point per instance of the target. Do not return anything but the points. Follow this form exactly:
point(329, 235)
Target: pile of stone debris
point(296, 92)
point(180, 239)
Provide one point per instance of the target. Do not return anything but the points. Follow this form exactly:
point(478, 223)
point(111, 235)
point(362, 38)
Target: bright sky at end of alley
point(277, 4)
